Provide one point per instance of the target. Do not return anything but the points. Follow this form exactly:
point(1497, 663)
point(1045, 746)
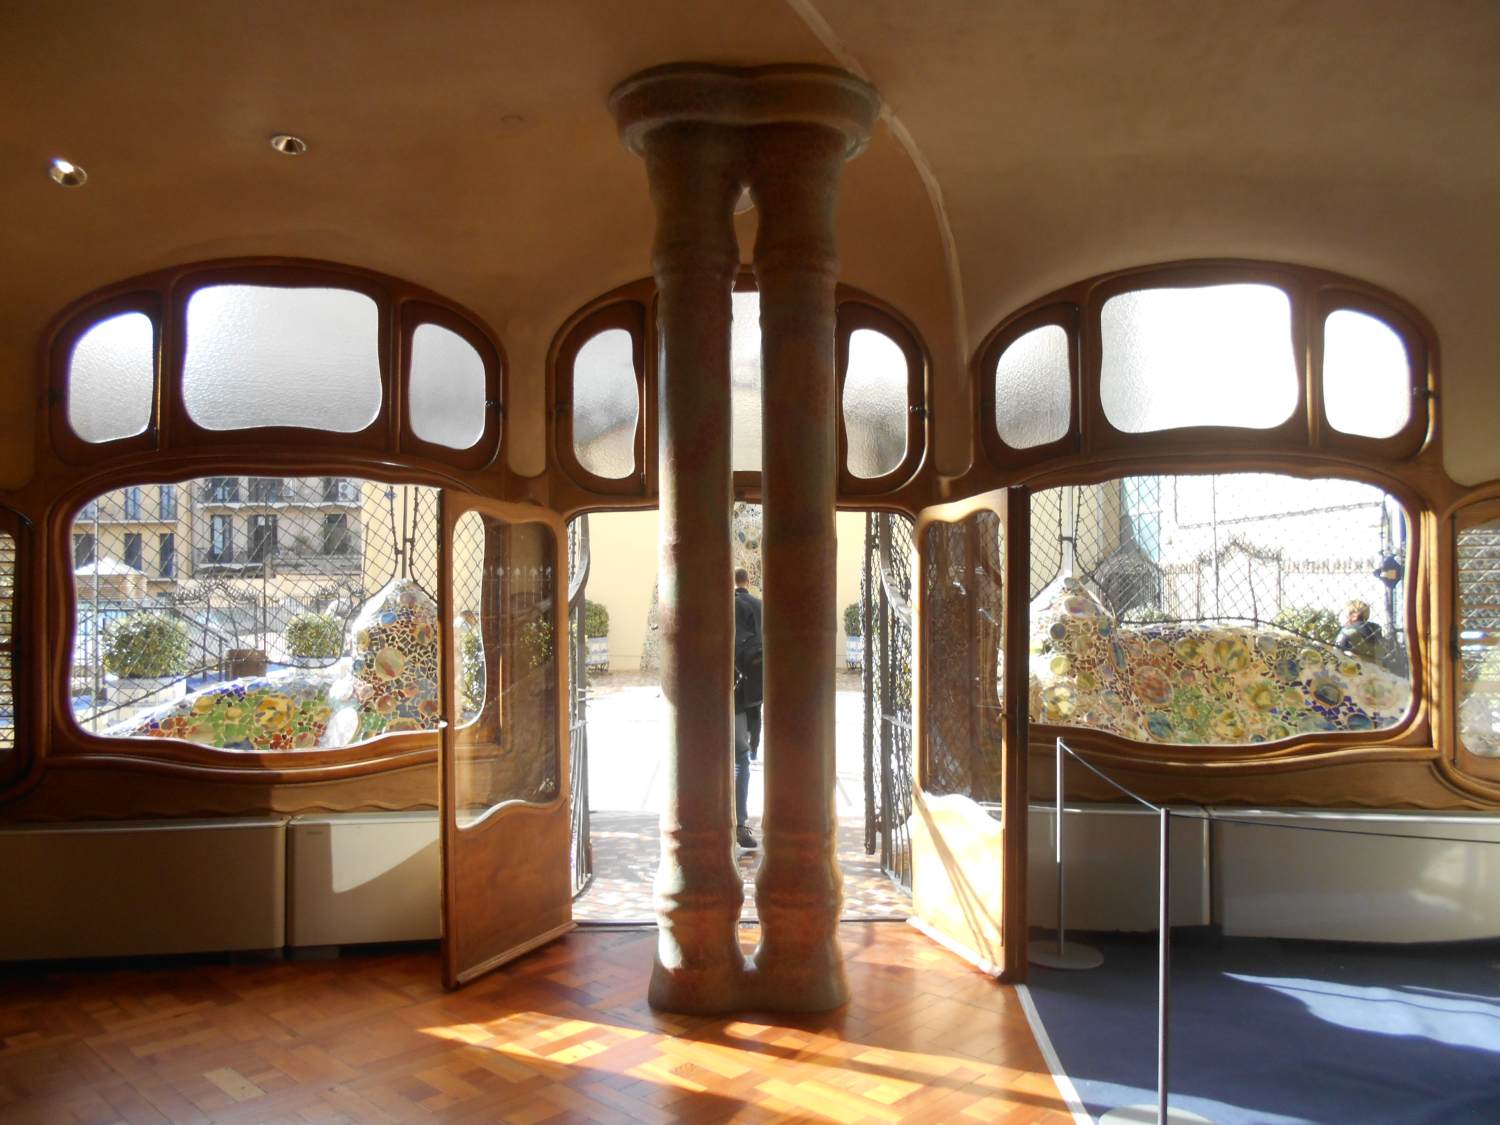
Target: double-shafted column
point(786, 131)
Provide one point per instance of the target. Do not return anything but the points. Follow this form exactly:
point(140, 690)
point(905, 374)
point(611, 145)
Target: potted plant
point(596, 629)
point(315, 636)
point(854, 640)
point(147, 653)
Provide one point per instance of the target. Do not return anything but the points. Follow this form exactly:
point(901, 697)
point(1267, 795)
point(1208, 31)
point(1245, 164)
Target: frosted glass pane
point(111, 377)
point(1366, 375)
point(1215, 356)
point(744, 383)
point(606, 404)
point(446, 397)
point(1033, 389)
point(260, 356)
point(875, 403)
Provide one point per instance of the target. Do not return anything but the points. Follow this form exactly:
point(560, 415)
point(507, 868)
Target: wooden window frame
point(632, 307)
point(68, 444)
point(1412, 733)
point(855, 313)
point(1313, 293)
point(1062, 314)
point(164, 296)
point(412, 314)
point(628, 313)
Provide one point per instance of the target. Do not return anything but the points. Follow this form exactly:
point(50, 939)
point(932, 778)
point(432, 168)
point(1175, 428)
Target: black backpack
point(748, 647)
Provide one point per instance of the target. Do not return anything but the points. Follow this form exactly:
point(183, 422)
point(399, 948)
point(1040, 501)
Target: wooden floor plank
point(561, 1035)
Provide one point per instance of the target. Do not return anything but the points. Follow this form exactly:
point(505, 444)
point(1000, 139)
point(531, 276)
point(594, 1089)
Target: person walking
point(748, 657)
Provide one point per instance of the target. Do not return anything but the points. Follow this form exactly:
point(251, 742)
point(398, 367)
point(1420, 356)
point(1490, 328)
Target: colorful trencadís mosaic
point(395, 639)
point(1198, 684)
point(389, 684)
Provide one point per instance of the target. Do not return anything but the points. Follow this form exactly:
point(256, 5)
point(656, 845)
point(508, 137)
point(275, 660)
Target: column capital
point(745, 97)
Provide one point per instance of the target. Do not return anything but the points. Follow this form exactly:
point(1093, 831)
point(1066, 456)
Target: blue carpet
point(1274, 1031)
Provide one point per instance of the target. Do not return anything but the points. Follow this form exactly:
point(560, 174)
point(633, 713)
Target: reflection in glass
point(1033, 388)
point(112, 378)
point(963, 615)
point(446, 395)
point(1366, 375)
point(606, 404)
point(745, 383)
point(1220, 355)
point(509, 751)
point(264, 356)
point(875, 404)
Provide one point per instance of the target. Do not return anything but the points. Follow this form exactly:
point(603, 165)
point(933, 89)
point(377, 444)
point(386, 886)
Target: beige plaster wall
point(622, 575)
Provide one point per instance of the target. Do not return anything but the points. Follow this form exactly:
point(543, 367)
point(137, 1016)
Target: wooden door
point(505, 811)
point(968, 824)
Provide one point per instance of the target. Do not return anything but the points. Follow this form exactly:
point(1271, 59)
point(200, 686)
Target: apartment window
point(132, 504)
point(340, 490)
point(222, 490)
point(221, 539)
point(266, 490)
point(166, 502)
point(166, 554)
point(336, 538)
point(83, 549)
point(132, 555)
point(262, 538)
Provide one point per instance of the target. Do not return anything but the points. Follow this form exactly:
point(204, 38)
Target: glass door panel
point(969, 811)
point(506, 821)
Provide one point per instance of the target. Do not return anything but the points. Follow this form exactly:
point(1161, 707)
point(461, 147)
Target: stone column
point(693, 170)
point(799, 890)
point(701, 128)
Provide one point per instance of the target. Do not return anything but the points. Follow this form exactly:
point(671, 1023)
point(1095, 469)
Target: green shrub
point(853, 620)
point(146, 646)
point(1318, 624)
point(1147, 615)
point(315, 636)
point(595, 619)
point(471, 672)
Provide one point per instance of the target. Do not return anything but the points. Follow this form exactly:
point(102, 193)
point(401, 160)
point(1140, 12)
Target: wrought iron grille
point(7, 645)
point(578, 727)
point(183, 586)
point(885, 614)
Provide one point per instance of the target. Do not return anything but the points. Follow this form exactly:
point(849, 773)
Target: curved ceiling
point(467, 147)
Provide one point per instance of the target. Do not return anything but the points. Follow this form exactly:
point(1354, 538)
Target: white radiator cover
point(1275, 882)
point(122, 888)
point(1112, 864)
point(363, 877)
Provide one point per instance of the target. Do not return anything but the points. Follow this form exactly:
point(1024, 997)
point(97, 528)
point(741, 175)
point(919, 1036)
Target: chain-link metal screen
point(1251, 548)
point(885, 613)
point(1479, 638)
point(318, 589)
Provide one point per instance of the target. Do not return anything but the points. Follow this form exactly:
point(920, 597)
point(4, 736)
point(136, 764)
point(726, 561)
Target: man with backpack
point(748, 657)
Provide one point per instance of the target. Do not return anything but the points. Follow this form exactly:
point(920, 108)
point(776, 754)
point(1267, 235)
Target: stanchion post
point(1057, 954)
point(1163, 963)
point(1057, 828)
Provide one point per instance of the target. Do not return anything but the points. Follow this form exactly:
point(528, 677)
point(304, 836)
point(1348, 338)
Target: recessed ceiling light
point(67, 173)
point(288, 145)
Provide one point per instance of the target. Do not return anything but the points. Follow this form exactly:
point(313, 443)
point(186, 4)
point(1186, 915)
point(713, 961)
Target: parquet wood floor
point(564, 1034)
